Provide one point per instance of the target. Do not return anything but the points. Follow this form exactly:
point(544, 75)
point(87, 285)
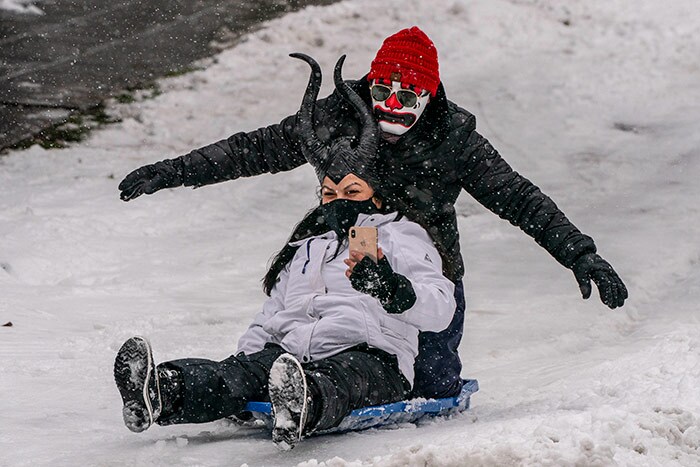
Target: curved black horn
point(351, 96)
point(313, 148)
point(369, 136)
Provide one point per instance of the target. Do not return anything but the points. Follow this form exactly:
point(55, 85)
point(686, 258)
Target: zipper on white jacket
point(308, 255)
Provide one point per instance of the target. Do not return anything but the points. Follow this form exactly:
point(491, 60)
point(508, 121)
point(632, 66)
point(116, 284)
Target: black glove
point(393, 290)
point(151, 178)
point(591, 266)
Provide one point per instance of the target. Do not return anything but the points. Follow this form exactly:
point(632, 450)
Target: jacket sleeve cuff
point(404, 296)
point(585, 248)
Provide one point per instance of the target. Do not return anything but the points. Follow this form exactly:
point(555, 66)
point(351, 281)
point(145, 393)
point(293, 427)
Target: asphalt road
point(82, 51)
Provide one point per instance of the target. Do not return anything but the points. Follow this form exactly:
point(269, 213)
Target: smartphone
point(364, 240)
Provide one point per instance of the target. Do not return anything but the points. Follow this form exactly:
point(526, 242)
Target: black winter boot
point(171, 387)
point(289, 394)
point(137, 380)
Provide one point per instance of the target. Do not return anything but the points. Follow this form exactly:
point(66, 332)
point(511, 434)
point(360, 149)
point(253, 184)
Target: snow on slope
point(597, 102)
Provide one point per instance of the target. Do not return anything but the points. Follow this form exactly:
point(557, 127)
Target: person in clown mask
point(429, 152)
point(339, 330)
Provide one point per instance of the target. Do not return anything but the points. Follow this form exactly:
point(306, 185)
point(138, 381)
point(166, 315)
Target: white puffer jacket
point(313, 312)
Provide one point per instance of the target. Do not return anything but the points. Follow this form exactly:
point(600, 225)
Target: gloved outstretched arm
point(591, 266)
point(269, 149)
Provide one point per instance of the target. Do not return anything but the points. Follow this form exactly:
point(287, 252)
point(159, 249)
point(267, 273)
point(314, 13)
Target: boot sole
point(288, 395)
point(133, 369)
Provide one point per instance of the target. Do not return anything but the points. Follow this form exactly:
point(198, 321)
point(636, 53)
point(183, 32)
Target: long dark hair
point(309, 226)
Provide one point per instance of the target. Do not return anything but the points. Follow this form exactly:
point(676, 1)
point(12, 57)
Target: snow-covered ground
point(597, 102)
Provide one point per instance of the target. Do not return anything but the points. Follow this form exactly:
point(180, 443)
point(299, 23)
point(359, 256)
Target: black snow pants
point(357, 377)
point(438, 366)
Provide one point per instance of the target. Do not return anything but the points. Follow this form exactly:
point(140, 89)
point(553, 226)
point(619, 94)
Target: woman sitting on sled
point(339, 330)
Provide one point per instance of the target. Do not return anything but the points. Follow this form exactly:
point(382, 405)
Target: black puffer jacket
point(422, 174)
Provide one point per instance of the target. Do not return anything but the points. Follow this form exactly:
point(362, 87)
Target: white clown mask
point(397, 107)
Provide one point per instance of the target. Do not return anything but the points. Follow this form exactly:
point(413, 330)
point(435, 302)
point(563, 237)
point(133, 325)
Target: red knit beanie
point(411, 57)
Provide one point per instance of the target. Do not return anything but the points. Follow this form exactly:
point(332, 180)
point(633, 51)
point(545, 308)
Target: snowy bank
point(597, 102)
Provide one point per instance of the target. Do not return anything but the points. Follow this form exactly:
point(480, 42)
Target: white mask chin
point(393, 117)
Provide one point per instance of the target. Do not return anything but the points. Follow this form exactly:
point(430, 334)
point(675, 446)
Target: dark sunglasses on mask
point(406, 97)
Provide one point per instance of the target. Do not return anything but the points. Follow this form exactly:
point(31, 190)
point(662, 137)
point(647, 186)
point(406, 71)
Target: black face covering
point(341, 214)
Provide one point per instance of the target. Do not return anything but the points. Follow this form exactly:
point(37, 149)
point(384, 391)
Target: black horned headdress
point(346, 154)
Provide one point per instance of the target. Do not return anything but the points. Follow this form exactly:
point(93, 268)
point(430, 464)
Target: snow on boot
point(289, 397)
point(137, 380)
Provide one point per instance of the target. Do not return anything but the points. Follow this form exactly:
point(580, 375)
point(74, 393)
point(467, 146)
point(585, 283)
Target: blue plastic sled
point(397, 412)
